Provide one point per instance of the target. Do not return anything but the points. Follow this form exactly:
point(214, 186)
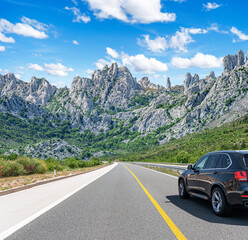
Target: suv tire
point(182, 189)
point(219, 203)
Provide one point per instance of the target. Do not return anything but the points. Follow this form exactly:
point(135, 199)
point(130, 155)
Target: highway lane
point(116, 207)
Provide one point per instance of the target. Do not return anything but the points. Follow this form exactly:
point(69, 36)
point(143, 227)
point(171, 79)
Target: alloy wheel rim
point(181, 188)
point(217, 201)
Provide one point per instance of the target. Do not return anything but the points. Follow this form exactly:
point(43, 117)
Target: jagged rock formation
point(146, 84)
point(112, 97)
point(231, 61)
point(189, 80)
point(168, 84)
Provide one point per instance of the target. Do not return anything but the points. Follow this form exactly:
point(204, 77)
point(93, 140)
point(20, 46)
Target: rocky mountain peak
point(231, 61)
point(211, 75)
point(168, 84)
point(145, 83)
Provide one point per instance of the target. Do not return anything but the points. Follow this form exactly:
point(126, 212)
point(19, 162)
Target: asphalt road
point(115, 206)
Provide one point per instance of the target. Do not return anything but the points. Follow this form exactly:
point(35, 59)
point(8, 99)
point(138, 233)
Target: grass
point(18, 181)
point(14, 165)
point(165, 170)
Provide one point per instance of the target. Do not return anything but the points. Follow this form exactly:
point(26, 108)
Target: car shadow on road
point(202, 209)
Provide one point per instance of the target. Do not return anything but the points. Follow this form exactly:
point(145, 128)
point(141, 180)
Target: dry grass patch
point(13, 182)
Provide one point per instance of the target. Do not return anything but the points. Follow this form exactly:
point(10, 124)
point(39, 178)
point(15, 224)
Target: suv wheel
point(219, 203)
point(182, 189)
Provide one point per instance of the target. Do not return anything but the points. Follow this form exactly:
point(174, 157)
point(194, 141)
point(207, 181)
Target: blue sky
point(156, 38)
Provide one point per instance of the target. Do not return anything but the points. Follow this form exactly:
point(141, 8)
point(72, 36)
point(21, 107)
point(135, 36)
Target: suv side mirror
point(190, 167)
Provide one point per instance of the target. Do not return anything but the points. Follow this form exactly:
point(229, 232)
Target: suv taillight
point(241, 176)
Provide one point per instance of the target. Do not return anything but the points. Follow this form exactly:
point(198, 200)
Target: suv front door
point(193, 175)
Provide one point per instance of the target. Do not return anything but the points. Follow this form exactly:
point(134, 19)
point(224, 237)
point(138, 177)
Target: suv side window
point(224, 161)
point(212, 161)
point(200, 163)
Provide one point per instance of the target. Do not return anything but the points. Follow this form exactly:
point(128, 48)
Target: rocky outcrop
point(146, 84)
point(168, 84)
point(231, 61)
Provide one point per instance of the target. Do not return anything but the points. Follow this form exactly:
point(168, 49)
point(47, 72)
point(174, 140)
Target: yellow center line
point(172, 226)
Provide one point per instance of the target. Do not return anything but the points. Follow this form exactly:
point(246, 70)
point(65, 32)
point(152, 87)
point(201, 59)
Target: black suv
point(221, 177)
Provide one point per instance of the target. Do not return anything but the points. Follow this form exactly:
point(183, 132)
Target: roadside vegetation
point(165, 170)
point(14, 165)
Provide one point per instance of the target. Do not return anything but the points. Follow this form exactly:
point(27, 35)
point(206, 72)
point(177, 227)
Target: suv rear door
point(208, 175)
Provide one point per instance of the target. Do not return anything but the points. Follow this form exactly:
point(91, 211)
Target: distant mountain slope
point(112, 102)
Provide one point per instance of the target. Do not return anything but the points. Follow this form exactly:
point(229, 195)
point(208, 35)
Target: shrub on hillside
point(12, 156)
point(11, 168)
point(183, 157)
point(50, 163)
point(32, 165)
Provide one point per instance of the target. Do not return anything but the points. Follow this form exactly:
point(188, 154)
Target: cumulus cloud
point(159, 44)
point(240, 34)
point(27, 28)
point(111, 52)
point(35, 67)
point(75, 42)
point(178, 42)
point(2, 48)
point(78, 15)
point(140, 63)
point(89, 71)
point(18, 76)
point(102, 62)
point(210, 6)
point(59, 84)
point(5, 39)
point(53, 69)
point(200, 60)
point(134, 11)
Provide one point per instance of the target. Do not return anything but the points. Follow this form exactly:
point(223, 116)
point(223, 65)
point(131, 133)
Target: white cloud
point(111, 52)
point(75, 42)
point(159, 44)
point(53, 69)
point(2, 48)
point(57, 69)
point(59, 84)
point(89, 71)
point(79, 16)
point(177, 42)
point(75, 2)
point(25, 29)
point(18, 76)
point(200, 60)
point(5, 39)
point(34, 23)
point(35, 67)
point(210, 6)
point(240, 34)
point(134, 11)
point(4, 71)
point(102, 62)
point(140, 63)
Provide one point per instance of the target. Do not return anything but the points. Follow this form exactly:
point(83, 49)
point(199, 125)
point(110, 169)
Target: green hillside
point(188, 149)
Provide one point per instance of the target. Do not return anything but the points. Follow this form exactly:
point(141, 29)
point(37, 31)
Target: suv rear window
point(212, 161)
point(224, 161)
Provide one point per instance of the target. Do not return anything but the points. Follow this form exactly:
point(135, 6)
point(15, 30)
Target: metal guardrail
point(173, 167)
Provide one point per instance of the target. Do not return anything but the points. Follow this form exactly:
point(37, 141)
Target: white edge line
point(21, 224)
point(155, 171)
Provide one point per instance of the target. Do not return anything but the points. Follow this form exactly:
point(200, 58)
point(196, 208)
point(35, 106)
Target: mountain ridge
point(112, 97)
